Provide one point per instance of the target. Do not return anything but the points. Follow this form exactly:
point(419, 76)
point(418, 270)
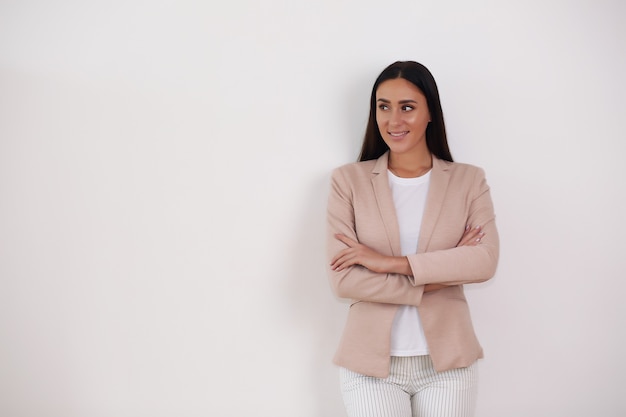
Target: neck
point(410, 166)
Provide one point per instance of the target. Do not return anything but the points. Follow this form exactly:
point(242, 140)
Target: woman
point(407, 228)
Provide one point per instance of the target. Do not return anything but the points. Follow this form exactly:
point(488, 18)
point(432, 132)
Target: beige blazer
point(361, 206)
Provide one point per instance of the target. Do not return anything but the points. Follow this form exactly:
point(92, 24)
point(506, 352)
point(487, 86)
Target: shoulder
point(460, 169)
point(353, 179)
point(354, 171)
point(461, 176)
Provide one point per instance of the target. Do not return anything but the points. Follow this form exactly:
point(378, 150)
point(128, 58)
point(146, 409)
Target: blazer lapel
point(386, 207)
point(439, 179)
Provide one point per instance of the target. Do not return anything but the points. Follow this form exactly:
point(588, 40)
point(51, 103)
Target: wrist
point(400, 265)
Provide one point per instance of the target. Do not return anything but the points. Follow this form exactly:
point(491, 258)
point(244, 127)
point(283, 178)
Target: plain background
point(164, 169)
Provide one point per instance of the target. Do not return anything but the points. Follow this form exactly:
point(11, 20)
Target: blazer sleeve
point(357, 282)
point(464, 264)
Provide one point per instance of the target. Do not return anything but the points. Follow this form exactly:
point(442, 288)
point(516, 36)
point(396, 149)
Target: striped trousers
point(413, 389)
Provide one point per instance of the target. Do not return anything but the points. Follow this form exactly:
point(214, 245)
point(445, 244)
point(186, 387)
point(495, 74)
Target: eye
point(383, 107)
point(407, 107)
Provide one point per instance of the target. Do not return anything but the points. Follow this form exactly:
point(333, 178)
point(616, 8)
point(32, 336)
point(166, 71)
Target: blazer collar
point(439, 179)
point(386, 207)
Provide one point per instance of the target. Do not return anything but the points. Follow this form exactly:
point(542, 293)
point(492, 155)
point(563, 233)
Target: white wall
point(163, 179)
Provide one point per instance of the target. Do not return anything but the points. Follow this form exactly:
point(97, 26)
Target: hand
point(358, 254)
point(471, 237)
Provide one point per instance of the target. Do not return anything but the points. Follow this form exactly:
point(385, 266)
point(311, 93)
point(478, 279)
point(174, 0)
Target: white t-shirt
point(409, 197)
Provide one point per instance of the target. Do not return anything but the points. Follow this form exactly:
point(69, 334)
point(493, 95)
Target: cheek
point(381, 129)
point(381, 123)
point(417, 120)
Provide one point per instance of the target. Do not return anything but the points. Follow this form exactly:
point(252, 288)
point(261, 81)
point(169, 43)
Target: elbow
point(488, 275)
point(340, 288)
point(337, 284)
point(345, 284)
point(491, 266)
point(485, 268)
point(342, 293)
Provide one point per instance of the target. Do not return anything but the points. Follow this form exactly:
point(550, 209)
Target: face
point(402, 116)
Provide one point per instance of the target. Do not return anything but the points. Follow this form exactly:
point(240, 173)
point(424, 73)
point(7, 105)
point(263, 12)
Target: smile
point(398, 134)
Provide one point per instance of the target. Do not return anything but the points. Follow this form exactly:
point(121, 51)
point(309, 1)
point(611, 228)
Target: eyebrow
point(384, 100)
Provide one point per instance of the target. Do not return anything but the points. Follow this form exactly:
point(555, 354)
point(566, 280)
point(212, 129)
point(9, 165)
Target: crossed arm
point(359, 254)
point(363, 272)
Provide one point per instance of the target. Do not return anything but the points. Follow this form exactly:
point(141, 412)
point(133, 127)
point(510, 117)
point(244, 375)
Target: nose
point(395, 117)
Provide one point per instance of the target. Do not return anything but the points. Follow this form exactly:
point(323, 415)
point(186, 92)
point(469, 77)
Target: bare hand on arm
point(358, 254)
point(471, 236)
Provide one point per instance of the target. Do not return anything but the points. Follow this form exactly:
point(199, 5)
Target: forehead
point(398, 89)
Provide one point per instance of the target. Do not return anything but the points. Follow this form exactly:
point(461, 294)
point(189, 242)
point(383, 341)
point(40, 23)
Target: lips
point(398, 134)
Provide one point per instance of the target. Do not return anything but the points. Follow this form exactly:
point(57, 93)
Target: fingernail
point(477, 227)
point(467, 227)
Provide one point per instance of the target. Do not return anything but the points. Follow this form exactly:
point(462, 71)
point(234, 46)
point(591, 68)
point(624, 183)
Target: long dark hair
point(417, 74)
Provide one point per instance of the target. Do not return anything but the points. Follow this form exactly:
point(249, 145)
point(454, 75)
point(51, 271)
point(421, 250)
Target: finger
point(474, 242)
point(472, 238)
point(469, 235)
point(343, 263)
point(343, 259)
point(339, 256)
